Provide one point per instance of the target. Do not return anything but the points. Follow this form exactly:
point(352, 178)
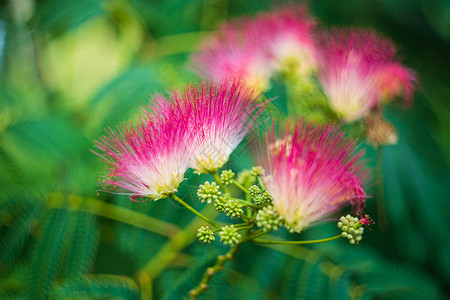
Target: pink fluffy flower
point(311, 171)
point(220, 116)
point(234, 52)
point(148, 159)
point(288, 38)
point(198, 127)
point(252, 49)
point(358, 70)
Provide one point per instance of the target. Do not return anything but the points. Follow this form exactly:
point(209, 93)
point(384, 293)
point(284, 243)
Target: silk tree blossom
point(219, 116)
point(253, 49)
point(311, 171)
point(358, 70)
point(288, 38)
point(148, 159)
point(235, 51)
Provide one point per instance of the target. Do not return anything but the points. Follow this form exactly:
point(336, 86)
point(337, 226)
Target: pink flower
point(199, 128)
point(311, 171)
point(358, 70)
point(220, 116)
point(234, 52)
point(252, 49)
point(148, 159)
point(288, 38)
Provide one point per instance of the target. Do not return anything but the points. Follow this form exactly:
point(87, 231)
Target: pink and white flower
point(199, 127)
point(311, 171)
point(220, 116)
point(288, 38)
point(358, 70)
point(253, 49)
point(148, 159)
point(234, 52)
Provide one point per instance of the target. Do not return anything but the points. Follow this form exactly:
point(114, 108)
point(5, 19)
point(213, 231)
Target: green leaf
point(188, 279)
point(83, 244)
point(13, 241)
point(97, 287)
point(48, 253)
point(120, 98)
point(61, 16)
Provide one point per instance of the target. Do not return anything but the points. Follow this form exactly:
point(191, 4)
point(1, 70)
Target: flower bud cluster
point(227, 177)
point(268, 219)
point(259, 197)
point(220, 203)
point(257, 171)
point(229, 235)
point(233, 209)
point(205, 235)
point(208, 192)
point(351, 229)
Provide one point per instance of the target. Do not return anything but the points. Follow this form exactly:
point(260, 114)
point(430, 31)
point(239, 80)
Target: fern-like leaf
point(48, 252)
point(83, 244)
point(97, 287)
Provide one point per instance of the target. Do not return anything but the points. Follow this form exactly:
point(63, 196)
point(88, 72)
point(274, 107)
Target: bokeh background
point(68, 69)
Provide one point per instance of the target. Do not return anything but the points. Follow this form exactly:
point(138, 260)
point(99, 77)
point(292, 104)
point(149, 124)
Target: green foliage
point(82, 245)
point(52, 222)
point(48, 252)
point(97, 287)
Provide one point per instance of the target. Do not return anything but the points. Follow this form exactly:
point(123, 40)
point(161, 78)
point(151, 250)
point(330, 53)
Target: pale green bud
point(208, 192)
point(205, 235)
point(227, 177)
point(229, 235)
point(268, 219)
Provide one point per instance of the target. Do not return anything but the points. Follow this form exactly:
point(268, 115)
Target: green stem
point(259, 241)
point(379, 190)
point(217, 179)
point(261, 184)
point(257, 233)
point(195, 211)
point(171, 249)
point(245, 203)
point(240, 187)
point(123, 215)
point(211, 271)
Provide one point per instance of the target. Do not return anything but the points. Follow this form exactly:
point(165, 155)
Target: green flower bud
point(205, 235)
point(268, 219)
point(229, 235)
point(227, 176)
point(263, 198)
point(351, 229)
point(219, 204)
point(257, 171)
point(208, 192)
point(254, 191)
point(245, 178)
point(233, 209)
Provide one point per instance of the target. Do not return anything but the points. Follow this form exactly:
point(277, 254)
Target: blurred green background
point(68, 69)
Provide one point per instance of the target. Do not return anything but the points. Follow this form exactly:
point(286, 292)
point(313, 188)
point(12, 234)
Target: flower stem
point(171, 249)
point(379, 190)
point(240, 187)
point(123, 215)
point(217, 179)
point(257, 234)
point(244, 203)
point(194, 211)
point(261, 184)
point(211, 271)
point(259, 241)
